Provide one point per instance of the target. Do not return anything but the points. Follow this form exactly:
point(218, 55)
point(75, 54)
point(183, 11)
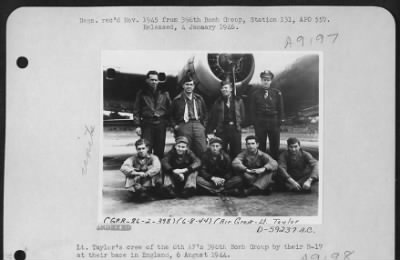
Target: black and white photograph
point(214, 133)
point(200, 132)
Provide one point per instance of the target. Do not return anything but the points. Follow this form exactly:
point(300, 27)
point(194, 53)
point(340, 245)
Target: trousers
point(155, 133)
point(143, 183)
point(268, 127)
point(232, 183)
point(171, 180)
point(232, 137)
point(261, 181)
point(195, 133)
point(307, 173)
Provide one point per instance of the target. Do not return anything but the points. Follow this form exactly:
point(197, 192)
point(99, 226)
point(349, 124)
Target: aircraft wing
point(207, 70)
point(120, 88)
point(299, 82)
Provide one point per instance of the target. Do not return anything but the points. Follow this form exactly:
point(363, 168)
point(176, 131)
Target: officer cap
point(266, 73)
point(181, 139)
point(215, 140)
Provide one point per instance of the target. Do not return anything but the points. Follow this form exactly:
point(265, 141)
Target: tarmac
point(117, 146)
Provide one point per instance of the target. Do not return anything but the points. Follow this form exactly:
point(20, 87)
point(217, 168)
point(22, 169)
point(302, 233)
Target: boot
point(253, 190)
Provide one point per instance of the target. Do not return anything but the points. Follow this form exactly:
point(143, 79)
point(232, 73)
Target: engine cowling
point(208, 70)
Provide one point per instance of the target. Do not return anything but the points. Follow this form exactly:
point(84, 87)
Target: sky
point(171, 62)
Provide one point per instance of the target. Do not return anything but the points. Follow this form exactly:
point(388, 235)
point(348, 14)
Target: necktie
point(266, 94)
point(186, 112)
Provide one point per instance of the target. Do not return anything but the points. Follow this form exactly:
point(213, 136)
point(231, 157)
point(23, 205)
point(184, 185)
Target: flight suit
point(217, 166)
point(300, 167)
point(246, 160)
point(150, 165)
point(173, 160)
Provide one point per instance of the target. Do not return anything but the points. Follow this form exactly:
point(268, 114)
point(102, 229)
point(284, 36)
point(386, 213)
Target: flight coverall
point(246, 160)
point(150, 165)
point(217, 166)
point(173, 160)
point(299, 167)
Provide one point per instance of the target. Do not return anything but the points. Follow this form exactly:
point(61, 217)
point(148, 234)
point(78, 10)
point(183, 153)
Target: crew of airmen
point(191, 167)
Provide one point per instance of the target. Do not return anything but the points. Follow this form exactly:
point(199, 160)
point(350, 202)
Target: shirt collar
point(176, 153)
point(256, 153)
point(187, 98)
point(296, 155)
point(151, 90)
point(147, 156)
point(219, 156)
point(225, 99)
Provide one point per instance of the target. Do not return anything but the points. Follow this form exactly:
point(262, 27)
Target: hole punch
point(20, 255)
point(111, 74)
point(22, 62)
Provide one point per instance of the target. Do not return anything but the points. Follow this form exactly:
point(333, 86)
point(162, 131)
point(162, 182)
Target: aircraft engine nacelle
point(209, 70)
